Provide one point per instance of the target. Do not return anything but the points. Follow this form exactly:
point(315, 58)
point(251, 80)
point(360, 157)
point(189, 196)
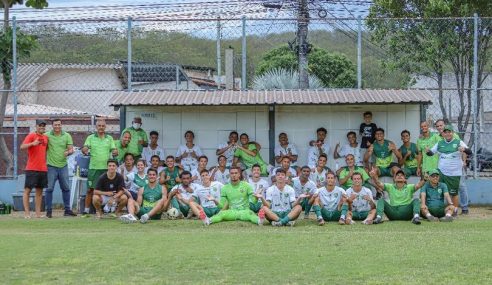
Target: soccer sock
point(448, 215)
point(86, 210)
point(307, 208)
point(343, 217)
point(416, 215)
point(344, 209)
point(285, 220)
point(428, 215)
point(317, 210)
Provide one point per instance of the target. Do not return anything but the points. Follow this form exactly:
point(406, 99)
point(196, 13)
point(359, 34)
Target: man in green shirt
point(383, 150)
point(234, 202)
point(433, 194)
point(345, 173)
point(122, 146)
point(402, 206)
point(101, 147)
point(60, 145)
point(248, 154)
point(139, 138)
point(410, 156)
point(426, 141)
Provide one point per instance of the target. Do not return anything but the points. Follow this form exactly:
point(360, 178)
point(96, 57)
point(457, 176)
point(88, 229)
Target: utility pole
point(303, 47)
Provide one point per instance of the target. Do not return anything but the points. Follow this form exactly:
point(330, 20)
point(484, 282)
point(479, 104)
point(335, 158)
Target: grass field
point(87, 251)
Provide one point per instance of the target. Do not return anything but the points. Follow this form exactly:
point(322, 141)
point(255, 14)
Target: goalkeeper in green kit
point(234, 202)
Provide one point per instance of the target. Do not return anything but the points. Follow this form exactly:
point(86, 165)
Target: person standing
point(139, 138)
point(36, 169)
point(122, 146)
point(60, 146)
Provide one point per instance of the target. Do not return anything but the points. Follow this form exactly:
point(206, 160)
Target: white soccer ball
point(172, 213)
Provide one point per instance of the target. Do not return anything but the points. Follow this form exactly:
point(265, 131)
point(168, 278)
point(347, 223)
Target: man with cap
point(402, 206)
point(60, 146)
point(139, 138)
point(450, 165)
point(432, 196)
point(36, 144)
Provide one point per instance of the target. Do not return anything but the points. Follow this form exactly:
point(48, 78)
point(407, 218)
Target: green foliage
point(278, 78)
point(25, 44)
point(333, 69)
point(36, 4)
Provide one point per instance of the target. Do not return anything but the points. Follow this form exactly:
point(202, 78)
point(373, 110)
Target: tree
point(418, 42)
point(333, 69)
point(24, 45)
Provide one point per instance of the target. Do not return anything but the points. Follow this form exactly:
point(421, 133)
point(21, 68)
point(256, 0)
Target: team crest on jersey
point(455, 145)
point(286, 194)
point(336, 195)
point(439, 190)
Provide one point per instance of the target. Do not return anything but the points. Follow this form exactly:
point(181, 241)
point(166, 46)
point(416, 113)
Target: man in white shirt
point(302, 185)
point(284, 148)
point(259, 186)
point(318, 147)
point(352, 148)
point(153, 148)
point(227, 149)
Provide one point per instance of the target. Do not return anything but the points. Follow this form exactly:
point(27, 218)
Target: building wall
point(212, 125)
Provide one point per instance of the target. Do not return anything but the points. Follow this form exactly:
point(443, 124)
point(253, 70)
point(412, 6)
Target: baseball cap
point(399, 171)
point(40, 122)
point(448, 128)
point(433, 171)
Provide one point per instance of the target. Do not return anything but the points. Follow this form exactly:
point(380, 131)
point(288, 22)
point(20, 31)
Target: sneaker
point(128, 219)
point(321, 221)
point(446, 219)
point(378, 220)
point(144, 218)
point(291, 223)
point(276, 223)
point(464, 212)
point(261, 217)
point(341, 221)
point(190, 215)
point(416, 220)
point(49, 214)
point(69, 213)
point(455, 213)
point(306, 216)
point(85, 215)
point(367, 222)
point(204, 218)
point(431, 218)
point(349, 222)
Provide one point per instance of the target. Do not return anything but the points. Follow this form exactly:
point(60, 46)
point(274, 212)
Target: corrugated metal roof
point(268, 97)
point(29, 73)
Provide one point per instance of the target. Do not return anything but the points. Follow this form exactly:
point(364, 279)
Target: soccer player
point(303, 186)
point(139, 138)
point(153, 149)
point(284, 148)
point(60, 145)
point(432, 197)
point(259, 186)
point(330, 202)
point(128, 166)
point(189, 153)
point(122, 146)
point(427, 140)
point(402, 206)
point(450, 164)
point(137, 179)
point(180, 195)
point(352, 148)
point(227, 149)
point(383, 150)
point(318, 148)
point(220, 173)
point(285, 165)
point(155, 162)
point(206, 197)
point(150, 201)
point(248, 154)
point(281, 206)
point(360, 203)
point(110, 190)
point(202, 165)
point(170, 175)
point(102, 147)
point(234, 202)
point(410, 156)
point(36, 169)
point(345, 173)
point(318, 174)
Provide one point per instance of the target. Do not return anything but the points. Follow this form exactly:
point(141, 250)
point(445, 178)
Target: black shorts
point(36, 179)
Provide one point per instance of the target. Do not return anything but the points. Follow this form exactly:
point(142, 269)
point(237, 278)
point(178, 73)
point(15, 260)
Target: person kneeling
point(361, 204)
point(432, 196)
point(110, 190)
point(150, 202)
point(330, 202)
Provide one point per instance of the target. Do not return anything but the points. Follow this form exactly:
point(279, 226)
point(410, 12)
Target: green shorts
point(410, 171)
point(386, 171)
point(330, 216)
point(437, 211)
point(304, 203)
point(255, 207)
point(211, 211)
point(359, 216)
point(146, 210)
point(92, 177)
point(281, 214)
point(453, 183)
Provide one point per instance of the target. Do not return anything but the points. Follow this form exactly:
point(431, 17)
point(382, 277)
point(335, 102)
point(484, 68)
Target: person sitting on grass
point(259, 186)
point(360, 203)
point(318, 174)
point(234, 202)
point(220, 173)
point(330, 202)
point(302, 185)
point(402, 206)
point(170, 175)
point(180, 195)
point(110, 190)
point(206, 197)
point(137, 179)
point(432, 197)
point(281, 206)
point(150, 201)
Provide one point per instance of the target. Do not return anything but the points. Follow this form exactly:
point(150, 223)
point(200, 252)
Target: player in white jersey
point(195, 173)
point(153, 148)
point(189, 153)
point(330, 203)
point(302, 185)
point(180, 195)
point(352, 148)
point(227, 149)
point(155, 164)
point(259, 185)
point(220, 173)
point(206, 197)
point(285, 165)
point(283, 149)
point(317, 147)
point(280, 205)
point(318, 174)
point(361, 204)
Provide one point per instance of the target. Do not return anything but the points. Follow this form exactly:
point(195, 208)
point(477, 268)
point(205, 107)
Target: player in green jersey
point(383, 150)
point(345, 173)
point(432, 196)
point(122, 146)
point(410, 156)
point(170, 175)
point(427, 140)
point(248, 154)
point(139, 138)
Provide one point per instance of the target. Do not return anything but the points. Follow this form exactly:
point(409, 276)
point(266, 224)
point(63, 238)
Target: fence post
point(359, 52)
point(177, 78)
point(129, 56)
point(243, 55)
point(475, 93)
point(219, 59)
point(14, 92)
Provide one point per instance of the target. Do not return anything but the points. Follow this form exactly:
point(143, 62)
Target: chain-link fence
point(70, 69)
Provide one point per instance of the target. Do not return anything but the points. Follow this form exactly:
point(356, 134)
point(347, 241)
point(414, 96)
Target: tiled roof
point(267, 97)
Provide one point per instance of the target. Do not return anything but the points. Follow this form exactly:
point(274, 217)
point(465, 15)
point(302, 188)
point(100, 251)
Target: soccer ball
point(172, 213)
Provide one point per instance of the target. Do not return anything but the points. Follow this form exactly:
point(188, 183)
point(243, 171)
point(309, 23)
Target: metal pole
point(243, 56)
point(177, 77)
point(302, 33)
point(14, 90)
point(129, 58)
point(219, 59)
point(359, 52)
point(475, 93)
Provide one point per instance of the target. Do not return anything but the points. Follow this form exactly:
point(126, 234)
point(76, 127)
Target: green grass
point(86, 251)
